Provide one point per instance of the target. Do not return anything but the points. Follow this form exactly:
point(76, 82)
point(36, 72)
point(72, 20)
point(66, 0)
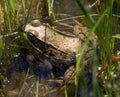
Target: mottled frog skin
point(65, 43)
point(60, 41)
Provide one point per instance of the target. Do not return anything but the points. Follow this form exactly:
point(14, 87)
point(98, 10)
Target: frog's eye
point(35, 23)
point(33, 33)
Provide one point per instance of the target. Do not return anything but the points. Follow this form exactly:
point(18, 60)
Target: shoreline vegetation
point(100, 78)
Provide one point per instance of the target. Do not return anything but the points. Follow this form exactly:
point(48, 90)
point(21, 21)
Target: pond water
point(28, 73)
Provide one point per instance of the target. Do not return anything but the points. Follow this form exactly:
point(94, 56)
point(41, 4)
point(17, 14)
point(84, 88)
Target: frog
point(62, 45)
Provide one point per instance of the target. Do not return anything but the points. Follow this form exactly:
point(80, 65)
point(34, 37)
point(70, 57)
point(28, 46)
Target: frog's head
point(34, 28)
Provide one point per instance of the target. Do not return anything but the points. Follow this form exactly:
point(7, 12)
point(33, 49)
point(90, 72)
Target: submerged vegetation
point(100, 79)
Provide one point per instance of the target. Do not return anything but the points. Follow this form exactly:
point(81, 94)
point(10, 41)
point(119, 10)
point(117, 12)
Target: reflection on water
point(25, 74)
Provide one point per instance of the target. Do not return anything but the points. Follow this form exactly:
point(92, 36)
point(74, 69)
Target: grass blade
point(79, 58)
point(87, 15)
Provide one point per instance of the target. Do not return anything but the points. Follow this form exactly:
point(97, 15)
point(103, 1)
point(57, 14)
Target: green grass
point(85, 46)
point(102, 27)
